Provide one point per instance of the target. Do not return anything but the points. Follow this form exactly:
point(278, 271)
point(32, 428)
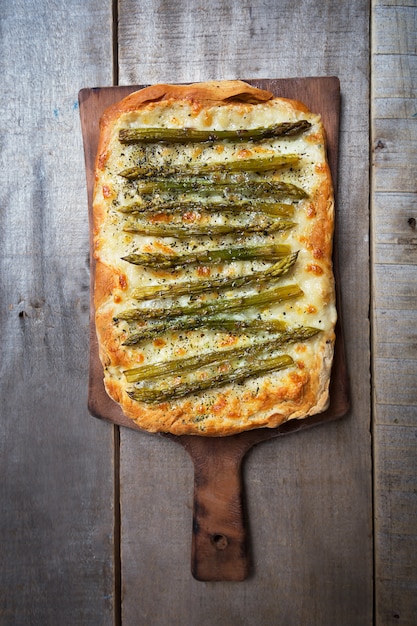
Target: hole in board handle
point(219, 541)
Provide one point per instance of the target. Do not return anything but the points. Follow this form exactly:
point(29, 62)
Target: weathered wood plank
point(395, 383)
point(393, 108)
point(396, 334)
point(395, 233)
point(388, 23)
point(394, 287)
point(396, 539)
point(309, 497)
point(396, 3)
point(394, 140)
point(397, 73)
point(56, 462)
point(388, 415)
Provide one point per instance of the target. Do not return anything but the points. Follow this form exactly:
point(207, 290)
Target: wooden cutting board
point(219, 540)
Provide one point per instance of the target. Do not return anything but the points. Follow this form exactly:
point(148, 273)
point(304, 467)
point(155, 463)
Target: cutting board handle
point(219, 543)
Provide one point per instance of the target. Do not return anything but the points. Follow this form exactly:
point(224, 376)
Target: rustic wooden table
point(95, 520)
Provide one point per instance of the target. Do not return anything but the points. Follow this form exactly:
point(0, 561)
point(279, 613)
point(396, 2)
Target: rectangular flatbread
point(214, 298)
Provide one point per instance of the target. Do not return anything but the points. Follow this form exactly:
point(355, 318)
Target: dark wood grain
point(219, 544)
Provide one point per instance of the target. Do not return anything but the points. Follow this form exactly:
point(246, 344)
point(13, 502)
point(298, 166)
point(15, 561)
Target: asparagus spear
point(214, 306)
point(163, 261)
point(239, 374)
point(220, 323)
point(189, 364)
point(273, 209)
point(196, 287)
point(223, 186)
point(183, 135)
point(255, 164)
point(183, 231)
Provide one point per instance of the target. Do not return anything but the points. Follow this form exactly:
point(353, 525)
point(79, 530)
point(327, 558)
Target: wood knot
point(412, 223)
point(380, 145)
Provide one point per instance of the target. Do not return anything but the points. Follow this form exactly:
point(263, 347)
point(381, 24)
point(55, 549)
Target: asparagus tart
point(213, 225)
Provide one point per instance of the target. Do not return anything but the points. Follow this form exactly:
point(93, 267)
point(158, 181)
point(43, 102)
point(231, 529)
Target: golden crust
point(297, 393)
